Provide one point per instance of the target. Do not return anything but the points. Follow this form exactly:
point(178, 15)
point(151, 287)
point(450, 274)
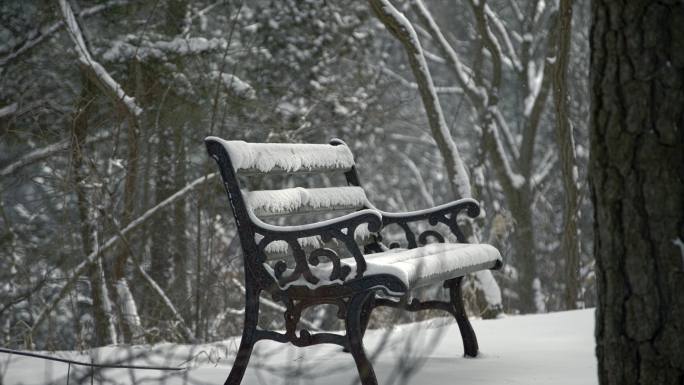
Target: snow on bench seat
point(418, 267)
point(297, 200)
point(433, 263)
point(286, 157)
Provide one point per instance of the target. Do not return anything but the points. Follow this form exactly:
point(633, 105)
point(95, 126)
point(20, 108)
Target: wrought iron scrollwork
point(447, 215)
point(423, 237)
point(342, 232)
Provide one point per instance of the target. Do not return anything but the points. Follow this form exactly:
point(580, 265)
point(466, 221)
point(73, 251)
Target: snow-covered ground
point(554, 348)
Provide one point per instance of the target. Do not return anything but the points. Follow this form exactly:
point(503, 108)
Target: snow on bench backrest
point(248, 158)
point(266, 203)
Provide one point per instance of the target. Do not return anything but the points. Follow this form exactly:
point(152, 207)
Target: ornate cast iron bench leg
point(354, 330)
point(366, 311)
point(248, 333)
point(470, 346)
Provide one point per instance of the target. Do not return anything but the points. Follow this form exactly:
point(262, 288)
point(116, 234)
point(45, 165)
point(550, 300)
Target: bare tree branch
point(82, 267)
point(503, 33)
point(414, 86)
point(422, 187)
point(39, 35)
point(45, 152)
point(403, 31)
point(462, 72)
point(99, 74)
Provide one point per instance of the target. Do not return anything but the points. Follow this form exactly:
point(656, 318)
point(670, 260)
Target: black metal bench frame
point(355, 298)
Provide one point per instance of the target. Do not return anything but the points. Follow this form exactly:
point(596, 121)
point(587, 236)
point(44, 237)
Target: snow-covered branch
point(423, 139)
point(422, 187)
point(547, 164)
point(483, 102)
point(403, 31)
point(8, 110)
point(185, 330)
point(44, 152)
point(511, 143)
point(122, 51)
point(491, 43)
point(503, 34)
point(102, 78)
point(39, 35)
point(412, 85)
point(235, 86)
point(462, 72)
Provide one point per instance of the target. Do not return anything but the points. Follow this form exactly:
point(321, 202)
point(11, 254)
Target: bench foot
point(248, 339)
point(355, 329)
point(470, 346)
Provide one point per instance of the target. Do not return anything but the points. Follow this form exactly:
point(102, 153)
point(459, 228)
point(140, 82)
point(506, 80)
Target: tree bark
point(565, 139)
point(637, 176)
point(79, 131)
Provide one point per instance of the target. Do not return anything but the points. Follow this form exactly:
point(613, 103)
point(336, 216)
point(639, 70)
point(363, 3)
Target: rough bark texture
point(637, 175)
point(565, 139)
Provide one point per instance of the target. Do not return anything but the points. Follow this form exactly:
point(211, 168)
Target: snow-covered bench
point(339, 261)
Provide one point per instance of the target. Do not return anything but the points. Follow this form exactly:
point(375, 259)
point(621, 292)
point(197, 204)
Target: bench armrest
point(371, 216)
point(341, 228)
point(446, 213)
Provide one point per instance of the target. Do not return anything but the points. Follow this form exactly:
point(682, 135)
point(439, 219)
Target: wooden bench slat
point(265, 203)
point(254, 158)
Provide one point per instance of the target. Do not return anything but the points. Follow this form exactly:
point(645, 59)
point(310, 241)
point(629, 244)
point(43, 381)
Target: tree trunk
point(79, 131)
point(565, 139)
point(180, 240)
point(637, 175)
point(523, 243)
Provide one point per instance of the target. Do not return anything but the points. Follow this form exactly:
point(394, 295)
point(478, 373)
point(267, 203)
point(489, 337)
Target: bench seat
point(422, 266)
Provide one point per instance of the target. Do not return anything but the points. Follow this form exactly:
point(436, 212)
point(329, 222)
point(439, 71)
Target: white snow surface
point(236, 86)
point(298, 199)
point(123, 50)
point(430, 263)
point(543, 349)
point(417, 267)
point(488, 285)
point(288, 157)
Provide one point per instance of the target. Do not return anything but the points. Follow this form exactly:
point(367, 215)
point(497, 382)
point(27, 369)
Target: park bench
point(340, 261)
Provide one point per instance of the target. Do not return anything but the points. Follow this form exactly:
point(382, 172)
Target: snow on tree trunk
point(129, 311)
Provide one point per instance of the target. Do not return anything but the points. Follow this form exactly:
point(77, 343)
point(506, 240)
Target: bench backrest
point(278, 158)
